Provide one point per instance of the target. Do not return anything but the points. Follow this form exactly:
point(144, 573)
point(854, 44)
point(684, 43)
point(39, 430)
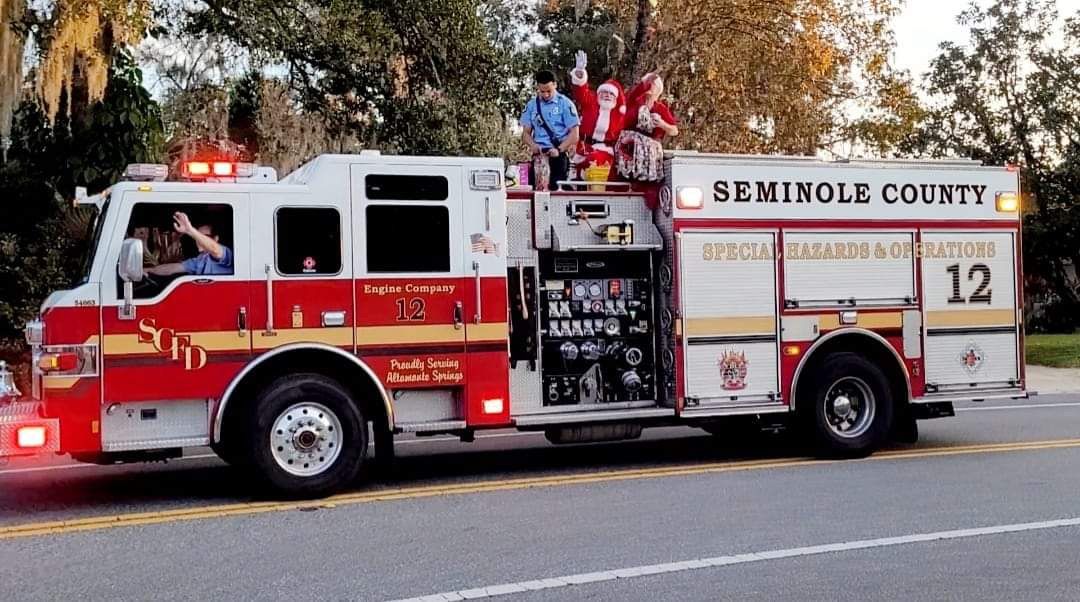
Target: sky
point(923, 24)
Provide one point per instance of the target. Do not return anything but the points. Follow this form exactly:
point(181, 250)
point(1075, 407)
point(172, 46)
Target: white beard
point(607, 105)
point(603, 122)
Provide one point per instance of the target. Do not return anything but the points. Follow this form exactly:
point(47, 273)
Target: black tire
point(866, 397)
point(330, 409)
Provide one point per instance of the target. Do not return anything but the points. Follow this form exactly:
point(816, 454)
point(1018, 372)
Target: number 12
point(414, 311)
point(982, 292)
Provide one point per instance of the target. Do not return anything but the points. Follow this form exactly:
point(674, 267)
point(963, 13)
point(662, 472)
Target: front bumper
point(26, 414)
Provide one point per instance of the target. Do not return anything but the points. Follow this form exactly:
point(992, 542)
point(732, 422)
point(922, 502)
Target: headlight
point(35, 333)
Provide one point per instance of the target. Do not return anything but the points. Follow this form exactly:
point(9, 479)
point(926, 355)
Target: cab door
point(411, 288)
point(304, 277)
point(171, 353)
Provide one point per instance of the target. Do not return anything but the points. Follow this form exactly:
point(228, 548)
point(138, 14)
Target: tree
point(1010, 96)
point(42, 237)
point(751, 76)
point(75, 41)
point(409, 76)
point(12, 42)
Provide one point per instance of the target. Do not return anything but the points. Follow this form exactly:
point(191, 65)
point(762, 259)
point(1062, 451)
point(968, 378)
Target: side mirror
point(131, 270)
point(131, 260)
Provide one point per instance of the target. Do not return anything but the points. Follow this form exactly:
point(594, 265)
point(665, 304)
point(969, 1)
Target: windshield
point(93, 237)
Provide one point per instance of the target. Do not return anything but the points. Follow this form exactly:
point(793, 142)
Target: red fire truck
point(364, 296)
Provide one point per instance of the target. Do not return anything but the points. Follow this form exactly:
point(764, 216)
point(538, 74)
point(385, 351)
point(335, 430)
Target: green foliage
point(1054, 350)
point(595, 30)
point(408, 75)
point(42, 237)
point(1010, 96)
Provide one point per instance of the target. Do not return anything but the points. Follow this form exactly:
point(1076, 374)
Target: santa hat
point(613, 87)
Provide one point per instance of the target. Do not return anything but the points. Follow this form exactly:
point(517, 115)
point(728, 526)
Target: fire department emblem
point(733, 368)
point(972, 358)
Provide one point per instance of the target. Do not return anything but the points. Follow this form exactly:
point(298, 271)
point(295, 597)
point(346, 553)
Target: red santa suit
point(600, 127)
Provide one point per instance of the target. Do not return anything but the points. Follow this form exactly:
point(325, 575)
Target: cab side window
point(412, 237)
point(408, 238)
point(308, 241)
point(180, 240)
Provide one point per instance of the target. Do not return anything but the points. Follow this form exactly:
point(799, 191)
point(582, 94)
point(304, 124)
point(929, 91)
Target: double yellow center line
point(385, 495)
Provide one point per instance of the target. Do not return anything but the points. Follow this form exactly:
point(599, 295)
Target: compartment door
point(969, 283)
point(729, 329)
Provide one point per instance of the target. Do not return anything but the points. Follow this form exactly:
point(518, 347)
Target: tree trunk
point(641, 29)
point(11, 53)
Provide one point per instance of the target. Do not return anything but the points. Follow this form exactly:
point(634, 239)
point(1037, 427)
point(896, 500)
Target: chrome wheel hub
point(306, 439)
point(849, 407)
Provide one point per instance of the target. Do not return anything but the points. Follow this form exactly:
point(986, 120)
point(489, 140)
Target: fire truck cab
point(365, 295)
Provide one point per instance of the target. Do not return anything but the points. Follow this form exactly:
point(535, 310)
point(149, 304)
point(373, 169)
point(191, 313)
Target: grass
point(1054, 350)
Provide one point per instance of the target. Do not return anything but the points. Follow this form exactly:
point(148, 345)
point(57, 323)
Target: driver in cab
point(214, 258)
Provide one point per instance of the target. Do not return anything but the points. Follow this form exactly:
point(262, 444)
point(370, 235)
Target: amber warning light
point(1007, 202)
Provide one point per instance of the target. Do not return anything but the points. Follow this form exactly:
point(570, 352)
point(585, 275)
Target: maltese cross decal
point(972, 358)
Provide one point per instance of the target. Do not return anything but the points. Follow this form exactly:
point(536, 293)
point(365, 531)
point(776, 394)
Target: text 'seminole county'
point(857, 193)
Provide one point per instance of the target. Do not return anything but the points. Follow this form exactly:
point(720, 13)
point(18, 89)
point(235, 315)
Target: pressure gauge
point(595, 290)
point(579, 290)
point(611, 327)
point(633, 356)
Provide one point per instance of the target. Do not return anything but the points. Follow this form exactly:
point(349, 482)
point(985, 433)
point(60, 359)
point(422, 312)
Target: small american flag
point(482, 243)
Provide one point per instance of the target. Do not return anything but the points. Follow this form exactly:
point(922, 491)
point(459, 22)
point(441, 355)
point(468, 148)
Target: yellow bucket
point(597, 173)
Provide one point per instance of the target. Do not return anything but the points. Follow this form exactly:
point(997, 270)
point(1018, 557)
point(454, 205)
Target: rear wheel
point(306, 436)
point(851, 408)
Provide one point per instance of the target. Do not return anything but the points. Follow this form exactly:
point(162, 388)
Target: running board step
point(734, 410)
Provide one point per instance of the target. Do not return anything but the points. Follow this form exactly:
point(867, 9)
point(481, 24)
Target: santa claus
point(601, 118)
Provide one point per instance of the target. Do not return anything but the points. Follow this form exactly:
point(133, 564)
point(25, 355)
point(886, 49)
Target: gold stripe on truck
point(60, 383)
point(831, 321)
point(487, 331)
point(406, 335)
point(220, 340)
point(705, 327)
point(970, 317)
point(340, 336)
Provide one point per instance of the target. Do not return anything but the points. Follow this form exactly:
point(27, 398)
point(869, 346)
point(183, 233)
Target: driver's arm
point(212, 246)
point(167, 269)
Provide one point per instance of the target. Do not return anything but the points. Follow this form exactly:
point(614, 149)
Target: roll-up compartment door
point(728, 305)
point(862, 269)
point(969, 281)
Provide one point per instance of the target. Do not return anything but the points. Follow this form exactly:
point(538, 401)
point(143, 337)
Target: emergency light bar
point(146, 172)
point(200, 170)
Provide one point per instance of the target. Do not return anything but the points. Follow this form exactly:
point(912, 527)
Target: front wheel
point(307, 436)
point(852, 407)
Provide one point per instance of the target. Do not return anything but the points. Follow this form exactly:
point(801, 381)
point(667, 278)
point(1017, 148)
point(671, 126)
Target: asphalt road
point(985, 506)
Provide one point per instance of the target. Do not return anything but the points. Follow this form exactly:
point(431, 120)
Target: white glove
point(657, 120)
point(581, 60)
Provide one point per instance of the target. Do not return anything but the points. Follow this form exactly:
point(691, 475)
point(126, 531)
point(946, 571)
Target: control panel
point(596, 320)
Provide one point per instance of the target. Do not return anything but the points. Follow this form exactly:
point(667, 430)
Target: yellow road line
point(245, 509)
